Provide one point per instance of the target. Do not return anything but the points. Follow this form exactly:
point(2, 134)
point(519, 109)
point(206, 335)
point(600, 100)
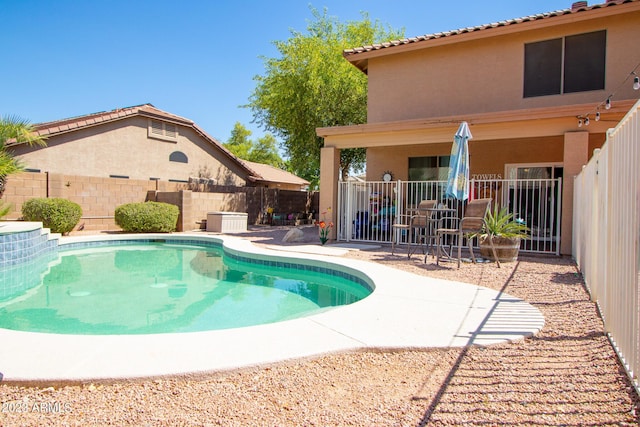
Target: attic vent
point(163, 130)
point(170, 130)
point(156, 128)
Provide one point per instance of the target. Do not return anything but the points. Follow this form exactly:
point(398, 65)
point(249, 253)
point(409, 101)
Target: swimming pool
point(149, 286)
point(403, 311)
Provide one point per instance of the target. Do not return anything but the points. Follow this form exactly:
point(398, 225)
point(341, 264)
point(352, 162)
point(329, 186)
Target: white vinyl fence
point(367, 210)
point(606, 236)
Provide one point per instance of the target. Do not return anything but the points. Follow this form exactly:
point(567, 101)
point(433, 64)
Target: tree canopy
point(311, 85)
point(264, 150)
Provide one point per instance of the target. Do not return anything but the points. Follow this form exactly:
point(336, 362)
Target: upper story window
point(565, 65)
point(162, 130)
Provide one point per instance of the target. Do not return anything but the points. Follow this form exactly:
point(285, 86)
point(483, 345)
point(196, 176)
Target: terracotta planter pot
point(507, 248)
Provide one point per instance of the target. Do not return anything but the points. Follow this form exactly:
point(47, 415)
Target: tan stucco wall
point(485, 74)
point(576, 156)
point(123, 148)
point(330, 161)
point(485, 157)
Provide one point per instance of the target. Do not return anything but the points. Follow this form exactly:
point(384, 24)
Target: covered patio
point(502, 143)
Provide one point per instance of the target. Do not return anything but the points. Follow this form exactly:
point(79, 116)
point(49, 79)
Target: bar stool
point(419, 225)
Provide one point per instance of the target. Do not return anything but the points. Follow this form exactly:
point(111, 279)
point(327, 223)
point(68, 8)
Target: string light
point(584, 118)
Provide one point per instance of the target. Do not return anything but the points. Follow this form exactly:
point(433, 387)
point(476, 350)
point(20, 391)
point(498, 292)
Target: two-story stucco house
point(526, 87)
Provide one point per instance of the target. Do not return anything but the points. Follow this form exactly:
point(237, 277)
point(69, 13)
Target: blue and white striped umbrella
point(458, 180)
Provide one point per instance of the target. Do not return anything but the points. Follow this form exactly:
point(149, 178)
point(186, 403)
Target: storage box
point(227, 222)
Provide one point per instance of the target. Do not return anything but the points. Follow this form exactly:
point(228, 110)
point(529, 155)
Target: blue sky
point(193, 58)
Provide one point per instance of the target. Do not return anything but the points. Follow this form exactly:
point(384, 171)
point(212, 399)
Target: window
point(434, 168)
point(178, 156)
point(430, 169)
point(543, 68)
point(565, 65)
point(162, 130)
point(584, 62)
point(119, 176)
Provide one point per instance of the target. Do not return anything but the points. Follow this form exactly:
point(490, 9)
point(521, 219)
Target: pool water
point(148, 288)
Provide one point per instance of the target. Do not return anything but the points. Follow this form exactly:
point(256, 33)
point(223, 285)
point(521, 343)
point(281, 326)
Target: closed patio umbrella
point(458, 179)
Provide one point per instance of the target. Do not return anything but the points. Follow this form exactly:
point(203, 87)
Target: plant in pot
point(505, 232)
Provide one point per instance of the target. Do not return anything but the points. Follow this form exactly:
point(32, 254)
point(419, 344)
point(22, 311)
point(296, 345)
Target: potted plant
point(505, 232)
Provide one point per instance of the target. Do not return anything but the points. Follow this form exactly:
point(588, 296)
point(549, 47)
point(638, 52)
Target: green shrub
point(59, 215)
point(147, 217)
point(5, 208)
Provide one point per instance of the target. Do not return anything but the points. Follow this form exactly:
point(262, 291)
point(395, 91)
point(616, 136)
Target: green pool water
point(148, 288)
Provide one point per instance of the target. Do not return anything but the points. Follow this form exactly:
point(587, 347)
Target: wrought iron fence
point(367, 210)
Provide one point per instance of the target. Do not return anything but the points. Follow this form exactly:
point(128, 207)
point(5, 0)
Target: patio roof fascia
point(527, 123)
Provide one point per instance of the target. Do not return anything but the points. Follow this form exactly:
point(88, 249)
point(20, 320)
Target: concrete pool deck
point(404, 311)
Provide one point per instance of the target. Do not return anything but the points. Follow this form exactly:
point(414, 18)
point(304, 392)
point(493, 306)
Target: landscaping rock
point(294, 235)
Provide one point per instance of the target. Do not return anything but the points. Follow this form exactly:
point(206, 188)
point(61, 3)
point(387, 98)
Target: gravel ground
point(566, 375)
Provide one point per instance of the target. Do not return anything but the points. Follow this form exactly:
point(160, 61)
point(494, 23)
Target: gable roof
point(73, 124)
point(359, 56)
point(274, 174)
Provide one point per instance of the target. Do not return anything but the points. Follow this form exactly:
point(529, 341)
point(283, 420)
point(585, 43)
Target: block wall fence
point(99, 198)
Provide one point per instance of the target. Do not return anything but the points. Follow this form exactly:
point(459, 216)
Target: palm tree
point(13, 129)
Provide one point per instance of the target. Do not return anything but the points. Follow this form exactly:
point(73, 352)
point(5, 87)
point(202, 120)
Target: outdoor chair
point(472, 223)
point(419, 228)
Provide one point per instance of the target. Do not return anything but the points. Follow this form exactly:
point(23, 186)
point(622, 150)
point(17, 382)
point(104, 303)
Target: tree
point(311, 85)
point(264, 150)
point(239, 143)
point(14, 129)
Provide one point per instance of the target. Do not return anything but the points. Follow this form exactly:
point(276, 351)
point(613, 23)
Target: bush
point(5, 208)
point(147, 217)
point(58, 215)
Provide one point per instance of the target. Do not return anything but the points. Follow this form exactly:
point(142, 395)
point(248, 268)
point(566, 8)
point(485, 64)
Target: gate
point(367, 210)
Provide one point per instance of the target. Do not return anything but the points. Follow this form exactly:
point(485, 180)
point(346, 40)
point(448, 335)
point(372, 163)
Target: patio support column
point(329, 173)
point(576, 155)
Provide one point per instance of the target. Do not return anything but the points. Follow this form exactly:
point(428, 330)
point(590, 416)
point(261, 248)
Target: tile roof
point(273, 174)
point(578, 7)
point(72, 124)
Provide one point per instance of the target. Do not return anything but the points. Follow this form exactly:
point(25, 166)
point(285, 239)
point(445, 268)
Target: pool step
point(26, 250)
point(23, 241)
point(51, 235)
